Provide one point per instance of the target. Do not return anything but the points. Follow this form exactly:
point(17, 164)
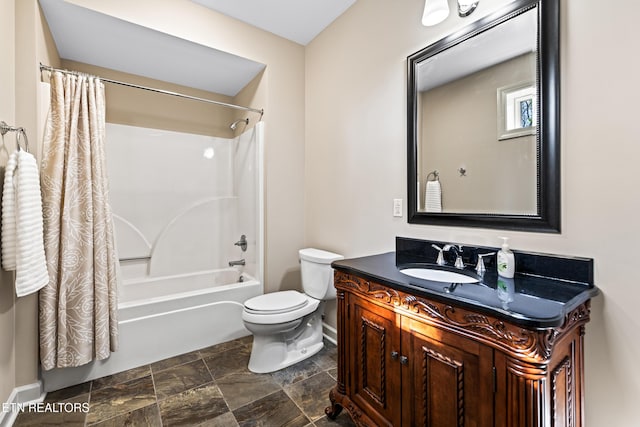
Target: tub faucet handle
point(242, 243)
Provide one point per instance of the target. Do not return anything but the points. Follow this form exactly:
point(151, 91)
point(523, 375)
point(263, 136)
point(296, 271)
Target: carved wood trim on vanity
point(534, 346)
point(565, 367)
point(380, 330)
point(458, 368)
point(537, 372)
point(342, 315)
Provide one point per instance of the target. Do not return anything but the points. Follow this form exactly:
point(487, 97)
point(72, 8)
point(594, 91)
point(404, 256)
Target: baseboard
point(330, 333)
point(19, 395)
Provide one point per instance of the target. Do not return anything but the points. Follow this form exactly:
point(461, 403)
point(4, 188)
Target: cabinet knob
point(404, 360)
point(394, 355)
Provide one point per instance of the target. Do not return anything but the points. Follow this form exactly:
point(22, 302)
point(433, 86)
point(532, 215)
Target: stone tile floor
point(210, 387)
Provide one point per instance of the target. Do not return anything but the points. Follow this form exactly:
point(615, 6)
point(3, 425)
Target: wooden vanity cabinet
point(410, 361)
point(448, 379)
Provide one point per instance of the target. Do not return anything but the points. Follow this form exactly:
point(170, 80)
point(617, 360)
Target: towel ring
point(436, 175)
point(26, 140)
point(4, 128)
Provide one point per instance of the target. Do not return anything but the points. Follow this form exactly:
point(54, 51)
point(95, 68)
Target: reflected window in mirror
point(517, 110)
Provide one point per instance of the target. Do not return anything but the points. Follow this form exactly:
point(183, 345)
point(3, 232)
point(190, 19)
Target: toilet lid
point(276, 302)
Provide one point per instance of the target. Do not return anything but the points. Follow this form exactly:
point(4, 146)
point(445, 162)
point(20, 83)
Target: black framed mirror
point(483, 123)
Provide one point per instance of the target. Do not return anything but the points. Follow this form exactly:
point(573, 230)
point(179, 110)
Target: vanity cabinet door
point(447, 380)
point(374, 366)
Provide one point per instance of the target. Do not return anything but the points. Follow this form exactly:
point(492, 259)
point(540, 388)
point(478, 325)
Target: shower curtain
point(77, 311)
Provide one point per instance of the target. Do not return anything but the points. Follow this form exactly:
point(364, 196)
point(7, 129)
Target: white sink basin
point(438, 275)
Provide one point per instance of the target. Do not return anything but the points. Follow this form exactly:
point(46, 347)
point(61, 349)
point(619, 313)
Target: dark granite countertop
point(527, 300)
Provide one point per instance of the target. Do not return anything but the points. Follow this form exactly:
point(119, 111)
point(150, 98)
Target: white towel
point(433, 197)
point(8, 215)
point(22, 224)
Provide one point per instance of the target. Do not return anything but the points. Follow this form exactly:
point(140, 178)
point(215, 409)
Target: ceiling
point(87, 36)
point(517, 36)
point(297, 20)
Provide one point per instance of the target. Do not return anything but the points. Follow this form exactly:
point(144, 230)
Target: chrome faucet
point(458, 250)
point(239, 262)
point(440, 260)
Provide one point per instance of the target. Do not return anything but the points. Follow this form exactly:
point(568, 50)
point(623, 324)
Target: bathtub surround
point(78, 307)
point(181, 200)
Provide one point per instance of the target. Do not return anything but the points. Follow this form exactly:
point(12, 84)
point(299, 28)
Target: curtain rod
point(164, 92)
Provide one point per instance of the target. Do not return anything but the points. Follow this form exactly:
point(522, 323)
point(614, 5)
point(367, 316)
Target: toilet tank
point(317, 274)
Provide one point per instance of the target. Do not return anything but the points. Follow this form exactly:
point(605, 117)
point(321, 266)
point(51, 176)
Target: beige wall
point(458, 130)
point(356, 148)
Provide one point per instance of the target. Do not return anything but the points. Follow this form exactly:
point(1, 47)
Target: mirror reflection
point(483, 123)
point(477, 108)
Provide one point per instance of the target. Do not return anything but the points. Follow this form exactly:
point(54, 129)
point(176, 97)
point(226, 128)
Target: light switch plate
point(397, 207)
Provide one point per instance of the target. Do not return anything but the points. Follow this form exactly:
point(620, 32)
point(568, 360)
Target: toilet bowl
point(287, 325)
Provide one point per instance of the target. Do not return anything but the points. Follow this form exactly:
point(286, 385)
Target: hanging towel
point(8, 215)
point(22, 224)
point(433, 197)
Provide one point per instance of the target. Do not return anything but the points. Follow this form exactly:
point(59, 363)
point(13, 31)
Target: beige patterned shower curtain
point(78, 306)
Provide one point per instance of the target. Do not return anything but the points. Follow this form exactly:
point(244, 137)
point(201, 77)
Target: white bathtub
point(166, 316)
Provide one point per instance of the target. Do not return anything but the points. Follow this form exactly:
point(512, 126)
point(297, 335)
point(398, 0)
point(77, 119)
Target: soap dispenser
point(506, 260)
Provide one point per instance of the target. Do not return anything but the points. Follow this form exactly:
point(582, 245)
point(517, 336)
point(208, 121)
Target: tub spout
point(239, 262)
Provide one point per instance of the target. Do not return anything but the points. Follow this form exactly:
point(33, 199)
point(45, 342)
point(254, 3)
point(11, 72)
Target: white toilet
point(287, 325)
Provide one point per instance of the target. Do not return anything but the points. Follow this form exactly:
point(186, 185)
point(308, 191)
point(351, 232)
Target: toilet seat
point(278, 307)
point(276, 302)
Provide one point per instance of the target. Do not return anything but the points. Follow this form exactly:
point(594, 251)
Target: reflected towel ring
point(436, 175)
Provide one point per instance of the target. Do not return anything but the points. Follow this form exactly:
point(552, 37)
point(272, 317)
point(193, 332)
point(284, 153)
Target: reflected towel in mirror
point(433, 197)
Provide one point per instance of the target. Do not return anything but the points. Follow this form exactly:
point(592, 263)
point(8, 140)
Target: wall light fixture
point(466, 7)
point(436, 11)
